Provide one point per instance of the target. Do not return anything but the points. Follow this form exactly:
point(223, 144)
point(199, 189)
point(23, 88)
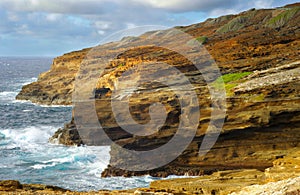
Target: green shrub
point(202, 40)
point(121, 65)
point(230, 81)
point(281, 19)
point(233, 25)
point(232, 77)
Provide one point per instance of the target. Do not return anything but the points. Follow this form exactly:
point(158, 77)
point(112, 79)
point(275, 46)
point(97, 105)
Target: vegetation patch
point(234, 25)
point(258, 97)
point(230, 81)
point(281, 19)
point(202, 40)
point(121, 65)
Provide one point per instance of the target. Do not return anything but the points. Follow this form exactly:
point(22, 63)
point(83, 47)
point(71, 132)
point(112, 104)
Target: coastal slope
point(257, 52)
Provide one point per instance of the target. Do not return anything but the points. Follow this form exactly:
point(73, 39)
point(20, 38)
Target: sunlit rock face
point(257, 52)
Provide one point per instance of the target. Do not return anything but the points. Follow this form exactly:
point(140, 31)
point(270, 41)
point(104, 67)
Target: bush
point(202, 40)
point(232, 77)
point(281, 19)
point(233, 25)
point(230, 81)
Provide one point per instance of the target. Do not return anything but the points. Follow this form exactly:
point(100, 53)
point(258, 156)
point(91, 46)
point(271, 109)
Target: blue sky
point(54, 27)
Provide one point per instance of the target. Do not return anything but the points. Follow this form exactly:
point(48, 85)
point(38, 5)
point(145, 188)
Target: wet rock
point(10, 185)
point(67, 136)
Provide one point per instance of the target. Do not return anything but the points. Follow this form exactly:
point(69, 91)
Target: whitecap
point(93, 160)
point(23, 102)
point(54, 106)
point(27, 110)
point(41, 166)
point(29, 137)
point(28, 81)
point(8, 95)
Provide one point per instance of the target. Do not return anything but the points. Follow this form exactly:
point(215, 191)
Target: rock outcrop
point(55, 87)
point(255, 46)
point(282, 178)
point(257, 52)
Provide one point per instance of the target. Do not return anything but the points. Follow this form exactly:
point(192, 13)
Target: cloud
point(184, 6)
point(70, 24)
point(263, 3)
point(53, 17)
point(57, 6)
point(103, 25)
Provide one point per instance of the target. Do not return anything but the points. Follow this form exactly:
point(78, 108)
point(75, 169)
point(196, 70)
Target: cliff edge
point(257, 52)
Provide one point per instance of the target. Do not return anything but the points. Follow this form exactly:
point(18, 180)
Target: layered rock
point(262, 122)
point(282, 178)
point(255, 45)
point(56, 85)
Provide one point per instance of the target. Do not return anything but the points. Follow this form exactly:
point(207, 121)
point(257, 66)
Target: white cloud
point(57, 6)
point(76, 23)
point(13, 17)
point(103, 25)
point(222, 12)
point(23, 30)
point(263, 3)
point(184, 5)
point(130, 25)
point(101, 32)
point(54, 17)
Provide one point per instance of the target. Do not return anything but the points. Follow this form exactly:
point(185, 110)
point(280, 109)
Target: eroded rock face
point(67, 136)
point(15, 187)
point(282, 178)
point(262, 121)
point(55, 87)
point(256, 46)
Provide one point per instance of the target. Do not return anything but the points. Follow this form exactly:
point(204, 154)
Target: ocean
point(25, 153)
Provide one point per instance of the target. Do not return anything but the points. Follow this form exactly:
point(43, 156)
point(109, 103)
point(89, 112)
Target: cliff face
point(257, 52)
point(56, 85)
point(252, 40)
point(262, 124)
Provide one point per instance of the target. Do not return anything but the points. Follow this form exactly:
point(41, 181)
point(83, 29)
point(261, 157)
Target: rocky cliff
point(252, 40)
point(257, 52)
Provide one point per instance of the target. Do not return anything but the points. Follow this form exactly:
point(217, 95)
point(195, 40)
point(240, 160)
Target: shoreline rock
point(242, 181)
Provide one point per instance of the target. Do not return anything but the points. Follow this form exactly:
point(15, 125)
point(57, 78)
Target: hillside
point(252, 40)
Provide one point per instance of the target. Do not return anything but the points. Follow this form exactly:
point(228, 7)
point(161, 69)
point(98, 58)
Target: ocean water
point(25, 128)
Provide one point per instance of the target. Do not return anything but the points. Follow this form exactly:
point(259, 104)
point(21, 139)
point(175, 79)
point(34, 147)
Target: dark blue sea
point(25, 153)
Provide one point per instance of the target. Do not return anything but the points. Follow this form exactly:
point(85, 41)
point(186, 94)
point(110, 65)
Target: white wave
point(23, 102)
point(40, 105)
point(8, 95)
point(29, 137)
point(51, 163)
point(91, 159)
point(54, 106)
point(148, 178)
point(11, 95)
point(27, 110)
point(28, 81)
point(42, 166)
point(39, 155)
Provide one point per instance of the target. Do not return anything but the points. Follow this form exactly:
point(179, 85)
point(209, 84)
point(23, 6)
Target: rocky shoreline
point(257, 52)
point(283, 177)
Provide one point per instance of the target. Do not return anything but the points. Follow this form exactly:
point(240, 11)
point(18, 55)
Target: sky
point(54, 27)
